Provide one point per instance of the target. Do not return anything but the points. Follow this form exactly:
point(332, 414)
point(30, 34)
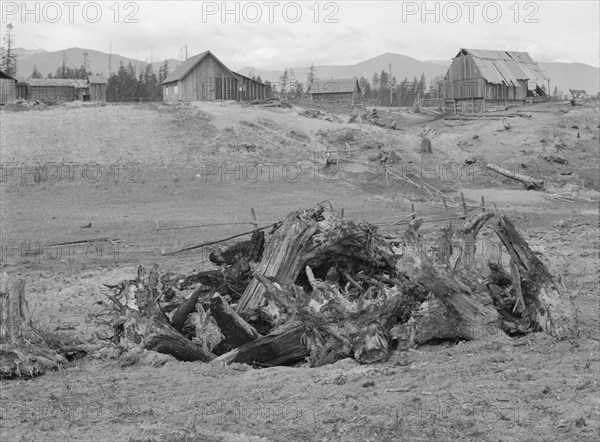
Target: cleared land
point(127, 169)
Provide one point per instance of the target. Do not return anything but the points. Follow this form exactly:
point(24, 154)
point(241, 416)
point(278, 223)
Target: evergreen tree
point(365, 87)
point(163, 71)
point(283, 81)
point(311, 77)
point(8, 58)
point(36, 73)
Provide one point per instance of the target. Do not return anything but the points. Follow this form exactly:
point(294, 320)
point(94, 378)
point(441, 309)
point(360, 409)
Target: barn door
point(208, 91)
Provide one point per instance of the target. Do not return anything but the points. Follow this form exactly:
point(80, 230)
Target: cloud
point(564, 31)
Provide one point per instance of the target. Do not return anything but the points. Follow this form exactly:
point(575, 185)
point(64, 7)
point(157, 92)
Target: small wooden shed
point(97, 87)
point(55, 89)
point(8, 88)
point(346, 90)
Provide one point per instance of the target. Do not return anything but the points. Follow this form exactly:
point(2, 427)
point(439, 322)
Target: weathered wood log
point(23, 351)
point(472, 312)
point(237, 332)
point(282, 347)
point(185, 308)
point(141, 323)
point(313, 237)
point(540, 299)
point(470, 230)
point(528, 182)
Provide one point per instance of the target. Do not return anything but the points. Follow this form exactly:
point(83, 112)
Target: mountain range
point(563, 75)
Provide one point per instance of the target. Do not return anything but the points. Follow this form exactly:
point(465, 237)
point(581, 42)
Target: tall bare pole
point(390, 84)
point(110, 59)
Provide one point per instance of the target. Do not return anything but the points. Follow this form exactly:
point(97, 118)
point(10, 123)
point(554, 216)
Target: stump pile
point(318, 288)
point(321, 288)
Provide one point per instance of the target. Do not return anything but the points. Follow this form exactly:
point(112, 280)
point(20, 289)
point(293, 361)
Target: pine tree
point(365, 87)
point(8, 57)
point(311, 77)
point(36, 73)
point(284, 80)
point(163, 71)
point(422, 84)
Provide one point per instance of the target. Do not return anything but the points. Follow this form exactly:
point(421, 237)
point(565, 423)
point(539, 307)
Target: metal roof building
point(494, 75)
point(342, 90)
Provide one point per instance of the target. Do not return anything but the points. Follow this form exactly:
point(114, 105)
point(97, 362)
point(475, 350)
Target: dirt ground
point(122, 171)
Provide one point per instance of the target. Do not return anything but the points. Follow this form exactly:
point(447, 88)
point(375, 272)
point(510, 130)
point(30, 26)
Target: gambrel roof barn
point(494, 75)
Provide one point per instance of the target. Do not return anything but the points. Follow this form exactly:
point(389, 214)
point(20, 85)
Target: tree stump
point(22, 351)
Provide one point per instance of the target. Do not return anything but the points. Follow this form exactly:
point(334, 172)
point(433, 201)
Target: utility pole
point(390, 84)
point(186, 51)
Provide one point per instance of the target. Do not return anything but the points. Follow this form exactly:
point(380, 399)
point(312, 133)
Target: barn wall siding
point(210, 80)
point(8, 90)
point(465, 81)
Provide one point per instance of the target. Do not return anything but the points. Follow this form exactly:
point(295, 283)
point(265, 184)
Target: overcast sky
point(272, 35)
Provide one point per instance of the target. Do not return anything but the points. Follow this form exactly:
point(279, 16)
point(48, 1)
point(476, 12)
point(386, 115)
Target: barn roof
point(237, 74)
point(334, 86)
point(5, 75)
point(184, 68)
point(506, 66)
point(62, 82)
point(97, 79)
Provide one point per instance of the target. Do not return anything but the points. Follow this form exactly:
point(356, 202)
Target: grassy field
point(121, 171)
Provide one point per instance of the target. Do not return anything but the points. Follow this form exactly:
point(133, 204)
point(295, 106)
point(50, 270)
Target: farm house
point(204, 77)
point(341, 90)
point(479, 77)
point(8, 87)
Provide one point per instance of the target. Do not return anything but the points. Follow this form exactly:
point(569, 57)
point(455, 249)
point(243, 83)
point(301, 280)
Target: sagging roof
point(184, 68)
point(5, 75)
point(334, 86)
point(506, 66)
point(58, 82)
point(97, 79)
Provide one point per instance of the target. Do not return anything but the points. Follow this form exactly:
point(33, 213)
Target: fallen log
point(282, 347)
point(237, 332)
point(528, 182)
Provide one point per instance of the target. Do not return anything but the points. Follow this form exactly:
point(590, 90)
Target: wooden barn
point(204, 77)
point(345, 90)
point(8, 88)
point(477, 77)
point(250, 89)
point(54, 89)
point(97, 87)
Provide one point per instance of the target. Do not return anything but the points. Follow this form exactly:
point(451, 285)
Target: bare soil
point(130, 168)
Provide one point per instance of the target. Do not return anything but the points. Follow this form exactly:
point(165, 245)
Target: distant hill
point(48, 62)
point(564, 75)
point(402, 66)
